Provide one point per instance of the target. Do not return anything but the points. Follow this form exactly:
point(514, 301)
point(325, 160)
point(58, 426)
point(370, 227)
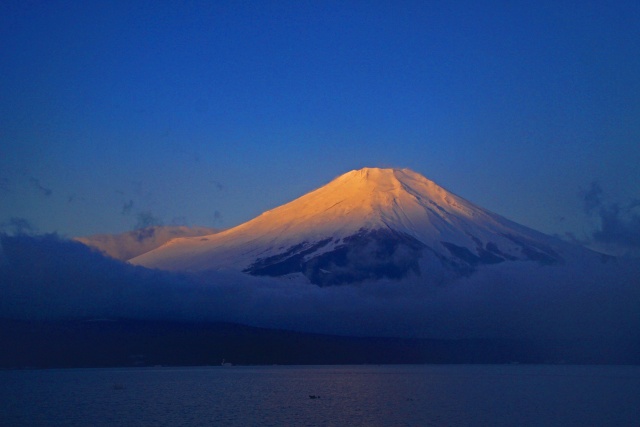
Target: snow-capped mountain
point(366, 224)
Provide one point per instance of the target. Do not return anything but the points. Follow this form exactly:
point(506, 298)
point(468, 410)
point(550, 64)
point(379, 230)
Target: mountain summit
point(366, 224)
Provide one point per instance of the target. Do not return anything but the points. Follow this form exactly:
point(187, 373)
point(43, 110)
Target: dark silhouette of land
point(110, 343)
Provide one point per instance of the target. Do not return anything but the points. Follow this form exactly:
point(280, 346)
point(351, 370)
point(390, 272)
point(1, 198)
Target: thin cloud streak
point(35, 183)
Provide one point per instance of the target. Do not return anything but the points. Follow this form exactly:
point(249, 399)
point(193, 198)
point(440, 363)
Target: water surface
point(423, 395)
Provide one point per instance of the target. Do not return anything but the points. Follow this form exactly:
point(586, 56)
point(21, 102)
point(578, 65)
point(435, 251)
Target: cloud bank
point(45, 277)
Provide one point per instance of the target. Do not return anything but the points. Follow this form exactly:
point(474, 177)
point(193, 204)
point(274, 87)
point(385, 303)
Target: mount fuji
point(374, 253)
point(364, 225)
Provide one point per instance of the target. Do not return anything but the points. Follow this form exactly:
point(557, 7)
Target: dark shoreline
point(126, 342)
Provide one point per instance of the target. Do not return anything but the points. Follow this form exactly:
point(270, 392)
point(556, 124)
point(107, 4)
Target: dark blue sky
point(117, 114)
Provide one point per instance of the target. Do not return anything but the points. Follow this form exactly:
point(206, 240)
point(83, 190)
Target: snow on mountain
point(366, 224)
point(125, 246)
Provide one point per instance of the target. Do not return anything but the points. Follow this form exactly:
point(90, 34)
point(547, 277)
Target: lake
point(398, 395)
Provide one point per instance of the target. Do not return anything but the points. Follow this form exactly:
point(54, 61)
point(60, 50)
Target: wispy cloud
point(217, 217)
point(592, 197)
point(75, 198)
point(127, 207)
point(35, 183)
point(618, 223)
point(146, 219)
point(218, 185)
point(142, 234)
point(17, 226)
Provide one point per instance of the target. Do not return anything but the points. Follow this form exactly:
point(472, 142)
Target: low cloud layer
point(47, 277)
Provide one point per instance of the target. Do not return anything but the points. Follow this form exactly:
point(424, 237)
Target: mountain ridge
point(130, 244)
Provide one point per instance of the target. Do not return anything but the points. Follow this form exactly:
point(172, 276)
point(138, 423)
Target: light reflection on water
point(437, 395)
